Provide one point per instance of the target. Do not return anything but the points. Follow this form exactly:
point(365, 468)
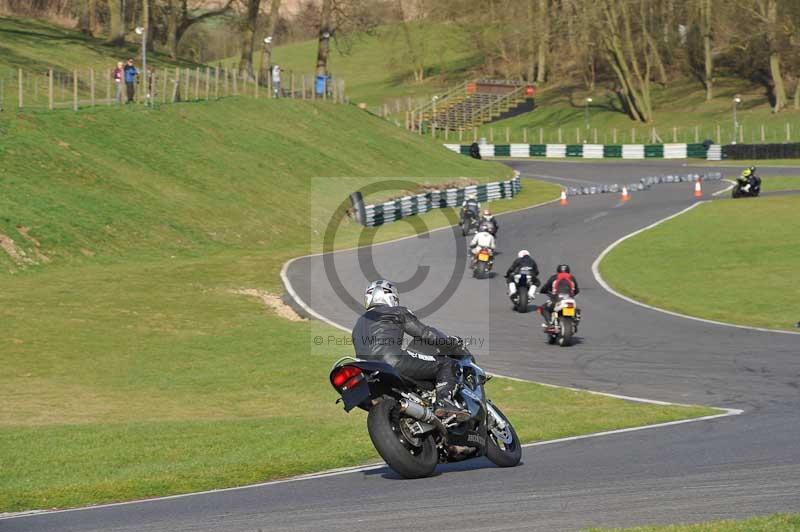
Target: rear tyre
point(522, 301)
point(567, 330)
point(503, 447)
point(408, 456)
point(735, 192)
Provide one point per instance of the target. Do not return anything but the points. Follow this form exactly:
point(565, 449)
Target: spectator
point(276, 80)
point(117, 76)
point(130, 79)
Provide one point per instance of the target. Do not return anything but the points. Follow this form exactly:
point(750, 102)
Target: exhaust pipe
point(417, 411)
point(424, 414)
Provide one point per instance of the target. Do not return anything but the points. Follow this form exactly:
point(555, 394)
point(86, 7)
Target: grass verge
point(705, 263)
point(778, 522)
point(779, 183)
point(132, 367)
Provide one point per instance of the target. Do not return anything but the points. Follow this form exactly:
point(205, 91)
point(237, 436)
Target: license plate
point(483, 256)
point(567, 311)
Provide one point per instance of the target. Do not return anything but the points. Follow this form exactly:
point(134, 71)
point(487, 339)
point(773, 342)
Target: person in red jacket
point(562, 282)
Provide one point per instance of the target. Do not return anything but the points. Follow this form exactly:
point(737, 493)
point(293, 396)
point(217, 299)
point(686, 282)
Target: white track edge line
point(607, 287)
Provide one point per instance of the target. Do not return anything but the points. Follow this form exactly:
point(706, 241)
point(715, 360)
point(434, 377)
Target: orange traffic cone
point(698, 191)
point(563, 198)
point(625, 195)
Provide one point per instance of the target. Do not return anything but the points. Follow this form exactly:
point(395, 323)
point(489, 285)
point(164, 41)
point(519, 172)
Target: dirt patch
point(17, 255)
point(272, 302)
point(25, 232)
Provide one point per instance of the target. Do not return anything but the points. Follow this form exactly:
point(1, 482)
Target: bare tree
point(271, 24)
point(248, 26)
point(324, 39)
point(116, 23)
point(179, 20)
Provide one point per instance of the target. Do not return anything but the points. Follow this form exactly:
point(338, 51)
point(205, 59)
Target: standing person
point(276, 80)
point(130, 79)
point(117, 76)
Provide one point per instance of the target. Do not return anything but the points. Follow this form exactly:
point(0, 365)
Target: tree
point(249, 22)
point(116, 23)
point(271, 24)
point(324, 39)
point(544, 41)
point(179, 21)
point(706, 10)
point(631, 64)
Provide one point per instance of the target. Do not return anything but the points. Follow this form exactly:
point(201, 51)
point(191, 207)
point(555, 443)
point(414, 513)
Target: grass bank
point(705, 263)
point(773, 523)
point(143, 347)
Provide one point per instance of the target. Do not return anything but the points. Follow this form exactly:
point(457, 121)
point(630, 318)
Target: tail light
point(345, 377)
point(569, 305)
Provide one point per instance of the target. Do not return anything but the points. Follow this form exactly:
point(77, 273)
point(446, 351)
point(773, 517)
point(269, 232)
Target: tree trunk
point(249, 37)
point(146, 18)
point(266, 55)
point(778, 88)
point(173, 13)
point(116, 25)
point(544, 41)
point(708, 58)
point(92, 17)
point(531, 42)
point(84, 23)
point(325, 30)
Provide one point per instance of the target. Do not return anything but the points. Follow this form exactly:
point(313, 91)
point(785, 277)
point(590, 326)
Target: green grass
point(779, 183)
point(710, 261)
point(778, 522)
point(374, 66)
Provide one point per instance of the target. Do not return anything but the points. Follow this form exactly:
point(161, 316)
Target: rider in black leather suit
point(378, 335)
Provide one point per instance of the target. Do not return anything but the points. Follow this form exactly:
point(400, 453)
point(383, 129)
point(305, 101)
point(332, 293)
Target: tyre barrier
point(596, 151)
point(761, 151)
point(390, 211)
point(645, 183)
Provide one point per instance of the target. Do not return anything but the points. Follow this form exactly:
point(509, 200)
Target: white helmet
point(523, 253)
point(381, 292)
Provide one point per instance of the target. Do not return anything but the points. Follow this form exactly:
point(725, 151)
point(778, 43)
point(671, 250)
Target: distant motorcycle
point(403, 428)
point(469, 223)
point(524, 289)
point(564, 318)
point(747, 188)
point(483, 263)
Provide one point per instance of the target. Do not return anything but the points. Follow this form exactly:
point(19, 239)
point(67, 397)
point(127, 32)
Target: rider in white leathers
point(483, 239)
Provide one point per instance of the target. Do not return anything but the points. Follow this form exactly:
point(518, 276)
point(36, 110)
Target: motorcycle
point(750, 189)
point(483, 263)
point(469, 223)
point(402, 426)
point(564, 318)
point(522, 289)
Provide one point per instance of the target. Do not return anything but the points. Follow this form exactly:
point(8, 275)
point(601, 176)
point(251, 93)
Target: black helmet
point(563, 268)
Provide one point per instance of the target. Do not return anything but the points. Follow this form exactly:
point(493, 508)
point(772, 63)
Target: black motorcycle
point(469, 222)
point(744, 189)
point(401, 423)
point(523, 281)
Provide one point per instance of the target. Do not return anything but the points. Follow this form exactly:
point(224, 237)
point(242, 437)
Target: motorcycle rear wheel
point(503, 448)
point(567, 330)
point(522, 300)
point(408, 458)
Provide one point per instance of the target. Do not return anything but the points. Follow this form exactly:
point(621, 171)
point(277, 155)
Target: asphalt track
point(732, 467)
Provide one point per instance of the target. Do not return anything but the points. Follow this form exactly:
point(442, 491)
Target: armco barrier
point(390, 211)
point(592, 151)
point(761, 151)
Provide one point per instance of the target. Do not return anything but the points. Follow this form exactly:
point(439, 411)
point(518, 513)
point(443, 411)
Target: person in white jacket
point(483, 239)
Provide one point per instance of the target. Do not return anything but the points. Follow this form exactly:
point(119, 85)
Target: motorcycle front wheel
point(503, 447)
point(410, 456)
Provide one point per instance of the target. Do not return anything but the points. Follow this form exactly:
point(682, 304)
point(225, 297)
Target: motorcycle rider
point(470, 208)
point(378, 335)
point(482, 239)
point(489, 219)
point(524, 263)
point(748, 179)
point(560, 282)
